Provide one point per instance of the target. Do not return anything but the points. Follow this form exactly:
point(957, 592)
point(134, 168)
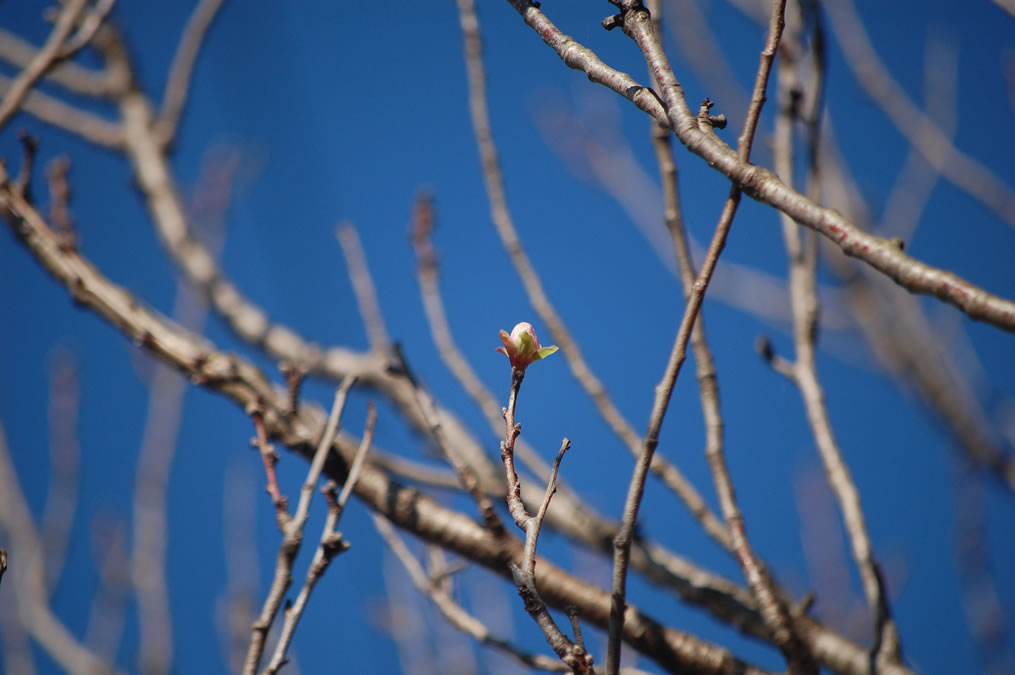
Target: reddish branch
point(331, 544)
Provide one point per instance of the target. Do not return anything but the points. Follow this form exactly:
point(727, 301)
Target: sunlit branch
point(765, 187)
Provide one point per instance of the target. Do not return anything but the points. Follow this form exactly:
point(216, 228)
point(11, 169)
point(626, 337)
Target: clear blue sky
point(344, 113)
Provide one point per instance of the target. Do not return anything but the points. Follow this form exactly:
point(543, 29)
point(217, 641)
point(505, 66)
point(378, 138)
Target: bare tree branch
point(246, 386)
point(765, 187)
point(524, 573)
point(331, 544)
point(292, 528)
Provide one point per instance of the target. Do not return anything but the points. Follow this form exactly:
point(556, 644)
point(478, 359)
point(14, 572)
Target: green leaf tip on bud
point(522, 346)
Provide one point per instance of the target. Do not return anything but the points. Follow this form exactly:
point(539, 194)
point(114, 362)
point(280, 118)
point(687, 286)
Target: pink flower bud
point(522, 346)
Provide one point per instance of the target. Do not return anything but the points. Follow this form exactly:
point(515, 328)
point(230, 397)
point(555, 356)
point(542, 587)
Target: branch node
point(294, 374)
point(615, 21)
point(30, 148)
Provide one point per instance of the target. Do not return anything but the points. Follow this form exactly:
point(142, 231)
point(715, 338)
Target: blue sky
point(345, 113)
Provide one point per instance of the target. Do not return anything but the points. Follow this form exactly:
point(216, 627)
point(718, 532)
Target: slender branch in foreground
point(764, 186)
point(669, 473)
point(451, 610)
point(637, 24)
point(50, 53)
point(331, 544)
point(524, 573)
point(243, 384)
point(291, 526)
point(178, 83)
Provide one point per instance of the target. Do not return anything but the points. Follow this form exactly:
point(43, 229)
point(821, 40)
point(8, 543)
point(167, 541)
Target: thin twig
point(524, 574)
point(178, 83)
point(331, 544)
point(50, 53)
point(321, 456)
point(363, 288)
point(669, 473)
point(269, 458)
point(291, 527)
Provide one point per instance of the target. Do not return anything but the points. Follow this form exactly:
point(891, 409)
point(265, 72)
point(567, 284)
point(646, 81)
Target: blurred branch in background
point(210, 200)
